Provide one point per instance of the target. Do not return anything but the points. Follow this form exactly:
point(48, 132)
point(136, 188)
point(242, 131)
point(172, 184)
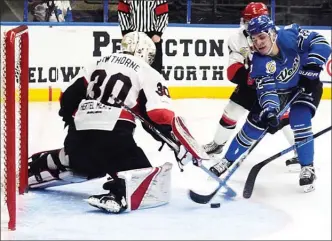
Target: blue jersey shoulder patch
point(262, 66)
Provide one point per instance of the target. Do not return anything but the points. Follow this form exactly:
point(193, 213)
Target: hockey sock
point(300, 121)
point(224, 130)
point(227, 122)
point(243, 140)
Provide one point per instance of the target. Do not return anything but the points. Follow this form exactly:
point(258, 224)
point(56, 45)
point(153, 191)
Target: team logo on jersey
point(287, 74)
point(271, 67)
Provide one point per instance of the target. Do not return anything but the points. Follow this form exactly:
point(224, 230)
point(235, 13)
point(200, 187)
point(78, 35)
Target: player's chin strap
point(274, 41)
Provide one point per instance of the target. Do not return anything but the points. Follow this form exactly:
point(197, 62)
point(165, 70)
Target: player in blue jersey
point(285, 60)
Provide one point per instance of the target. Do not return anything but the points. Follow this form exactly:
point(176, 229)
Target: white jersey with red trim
point(123, 76)
point(239, 47)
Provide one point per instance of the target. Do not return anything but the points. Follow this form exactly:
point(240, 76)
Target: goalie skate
point(108, 203)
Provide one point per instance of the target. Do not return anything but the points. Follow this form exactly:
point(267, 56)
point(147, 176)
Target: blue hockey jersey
point(298, 47)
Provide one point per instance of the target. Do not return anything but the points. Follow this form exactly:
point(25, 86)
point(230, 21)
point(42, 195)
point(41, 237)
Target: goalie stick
point(203, 199)
point(230, 192)
point(251, 179)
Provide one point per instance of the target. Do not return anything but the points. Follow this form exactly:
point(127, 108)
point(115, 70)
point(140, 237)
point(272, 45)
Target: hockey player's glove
point(269, 115)
point(309, 77)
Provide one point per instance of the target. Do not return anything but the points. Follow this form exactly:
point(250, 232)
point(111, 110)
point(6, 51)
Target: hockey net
point(14, 120)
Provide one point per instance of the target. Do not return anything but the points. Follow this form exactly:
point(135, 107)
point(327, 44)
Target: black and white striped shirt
point(149, 16)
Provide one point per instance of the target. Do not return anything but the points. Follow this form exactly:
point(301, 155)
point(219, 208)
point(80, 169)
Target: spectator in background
point(150, 17)
point(50, 11)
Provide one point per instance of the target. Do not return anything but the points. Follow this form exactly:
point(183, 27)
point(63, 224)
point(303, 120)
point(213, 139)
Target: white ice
point(278, 208)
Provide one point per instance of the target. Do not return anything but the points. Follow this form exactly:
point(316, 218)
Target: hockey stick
point(250, 182)
point(230, 192)
point(203, 199)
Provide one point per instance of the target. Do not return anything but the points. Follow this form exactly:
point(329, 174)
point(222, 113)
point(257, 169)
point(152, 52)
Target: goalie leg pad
point(50, 168)
point(147, 187)
point(45, 179)
point(135, 189)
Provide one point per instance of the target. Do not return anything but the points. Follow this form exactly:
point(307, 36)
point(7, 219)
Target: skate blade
point(294, 168)
point(308, 188)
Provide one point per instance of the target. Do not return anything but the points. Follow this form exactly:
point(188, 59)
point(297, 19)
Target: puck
point(215, 205)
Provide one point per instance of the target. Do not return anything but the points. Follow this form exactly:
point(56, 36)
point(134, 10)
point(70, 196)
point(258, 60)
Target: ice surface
point(278, 208)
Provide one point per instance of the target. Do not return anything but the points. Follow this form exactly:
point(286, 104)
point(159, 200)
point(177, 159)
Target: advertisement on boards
point(57, 54)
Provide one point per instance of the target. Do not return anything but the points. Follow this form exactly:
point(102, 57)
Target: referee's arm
point(161, 11)
point(124, 16)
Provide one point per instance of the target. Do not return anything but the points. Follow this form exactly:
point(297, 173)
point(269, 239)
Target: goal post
point(14, 116)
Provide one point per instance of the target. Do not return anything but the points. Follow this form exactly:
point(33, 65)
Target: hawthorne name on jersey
point(120, 60)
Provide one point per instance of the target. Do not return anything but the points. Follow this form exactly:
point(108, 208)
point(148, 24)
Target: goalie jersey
point(273, 75)
point(89, 99)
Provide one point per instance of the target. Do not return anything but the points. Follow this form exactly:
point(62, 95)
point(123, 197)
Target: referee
point(148, 16)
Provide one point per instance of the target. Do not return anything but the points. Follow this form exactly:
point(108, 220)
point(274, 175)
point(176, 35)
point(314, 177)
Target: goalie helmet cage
point(14, 117)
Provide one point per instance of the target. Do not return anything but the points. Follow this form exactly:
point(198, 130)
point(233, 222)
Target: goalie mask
point(139, 45)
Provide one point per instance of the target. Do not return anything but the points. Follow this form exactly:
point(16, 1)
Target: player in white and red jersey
point(100, 132)
point(244, 96)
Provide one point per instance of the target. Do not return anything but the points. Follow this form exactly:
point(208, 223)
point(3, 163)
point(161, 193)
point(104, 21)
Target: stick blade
point(201, 199)
point(251, 179)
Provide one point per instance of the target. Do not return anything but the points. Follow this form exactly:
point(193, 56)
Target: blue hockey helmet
point(260, 24)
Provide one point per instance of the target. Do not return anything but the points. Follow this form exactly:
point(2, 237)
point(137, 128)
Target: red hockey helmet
point(254, 9)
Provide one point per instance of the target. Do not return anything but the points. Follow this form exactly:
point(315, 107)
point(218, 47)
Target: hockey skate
point(112, 202)
point(221, 167)
point(307, 178)
point(213, 148)
point(108, 202)
point(293, 164)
